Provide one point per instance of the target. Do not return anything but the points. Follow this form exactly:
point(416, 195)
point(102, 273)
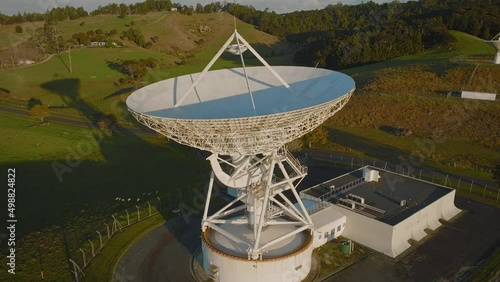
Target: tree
point(317, 136)
point(105, 122)
point(47, 39)
point(19, 29)
point(123, 10)
point(33, 102)
point(39, 111)
point(199, 8)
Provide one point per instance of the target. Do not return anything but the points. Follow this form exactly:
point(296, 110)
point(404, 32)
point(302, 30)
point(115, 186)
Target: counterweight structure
point(245, 117)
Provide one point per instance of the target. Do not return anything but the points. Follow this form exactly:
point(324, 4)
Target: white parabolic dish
point(218, 115)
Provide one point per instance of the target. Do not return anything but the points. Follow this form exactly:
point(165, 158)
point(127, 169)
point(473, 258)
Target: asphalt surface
point(164, 254)
point(450, 253)
point(310, 153)
point(78, 122)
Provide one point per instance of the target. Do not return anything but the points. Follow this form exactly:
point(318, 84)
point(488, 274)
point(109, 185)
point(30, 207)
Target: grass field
point(90, 87)
point(68, 176)
point(410, 92)
point(67, 179)
point(490, 270)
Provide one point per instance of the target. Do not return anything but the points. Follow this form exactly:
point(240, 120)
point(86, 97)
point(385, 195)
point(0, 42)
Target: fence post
point(352, 161)
point(149, 206)
point(458, 188)
point(470, 190)
point(92, 247)
point(373, 163)
point(100, 240)
point(385, 166)
point(420, 173)
point(107, 228)
point(75, 269)
point(159, 204)
point(446, 180)
point(128, 218)
point(83, 255)
point(484, 191)
point(138, 213)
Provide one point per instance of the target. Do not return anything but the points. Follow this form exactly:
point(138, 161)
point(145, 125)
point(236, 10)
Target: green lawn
point(69, 176)
point(102, 268)
point(378, 144)
point(489, 270)
point(470, 45)
point(23, 139)
point(466, 45)
point(409, 92)
point(67, 179)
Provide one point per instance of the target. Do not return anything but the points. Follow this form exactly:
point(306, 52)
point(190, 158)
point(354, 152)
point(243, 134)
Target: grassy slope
point(409, 92)
point(466, 45)
point(95, 77)
point(65, 212)
point(11, 38)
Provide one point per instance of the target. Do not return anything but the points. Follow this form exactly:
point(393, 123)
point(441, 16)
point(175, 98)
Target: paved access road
point(450, 253)
point(164, 254)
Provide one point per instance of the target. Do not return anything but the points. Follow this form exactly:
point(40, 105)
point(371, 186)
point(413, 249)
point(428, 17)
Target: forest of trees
point(338, 36)
point(341, 36)
point(122, 10)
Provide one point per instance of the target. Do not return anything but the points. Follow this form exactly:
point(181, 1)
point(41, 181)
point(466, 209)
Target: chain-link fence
point(118, 221)
point(477, 189)
point(135, 210)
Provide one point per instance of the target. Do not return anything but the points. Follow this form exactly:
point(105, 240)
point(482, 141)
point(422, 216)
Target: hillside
point(62, 209)
point(70, 176)
point(178, 51)
point(411, 92)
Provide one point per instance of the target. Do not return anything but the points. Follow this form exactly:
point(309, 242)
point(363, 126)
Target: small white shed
point(328, 225)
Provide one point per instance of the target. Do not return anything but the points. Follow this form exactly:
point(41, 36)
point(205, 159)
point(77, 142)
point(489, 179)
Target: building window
point(326, 234)
point(338, 228)
point(319, 237)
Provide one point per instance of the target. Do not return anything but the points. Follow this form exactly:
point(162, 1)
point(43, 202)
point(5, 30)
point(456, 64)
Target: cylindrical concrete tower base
point(223, 265)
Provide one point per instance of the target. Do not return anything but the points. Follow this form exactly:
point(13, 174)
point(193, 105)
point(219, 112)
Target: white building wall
point(319, 233)
point(289, 269)
point(393, 240)
point(367, 231)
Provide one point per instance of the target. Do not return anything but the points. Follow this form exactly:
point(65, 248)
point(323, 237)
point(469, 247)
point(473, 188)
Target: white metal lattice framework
point(245, 136)
point(262, 192)
point(259, 165)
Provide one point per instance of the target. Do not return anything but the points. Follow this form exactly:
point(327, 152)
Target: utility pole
point(69, 54)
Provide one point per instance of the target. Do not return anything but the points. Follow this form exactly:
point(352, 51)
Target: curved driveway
point(164, 254)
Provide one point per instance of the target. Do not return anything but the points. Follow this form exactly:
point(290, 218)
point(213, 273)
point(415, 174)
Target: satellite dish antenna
point(245, 116)
point(495, 42)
